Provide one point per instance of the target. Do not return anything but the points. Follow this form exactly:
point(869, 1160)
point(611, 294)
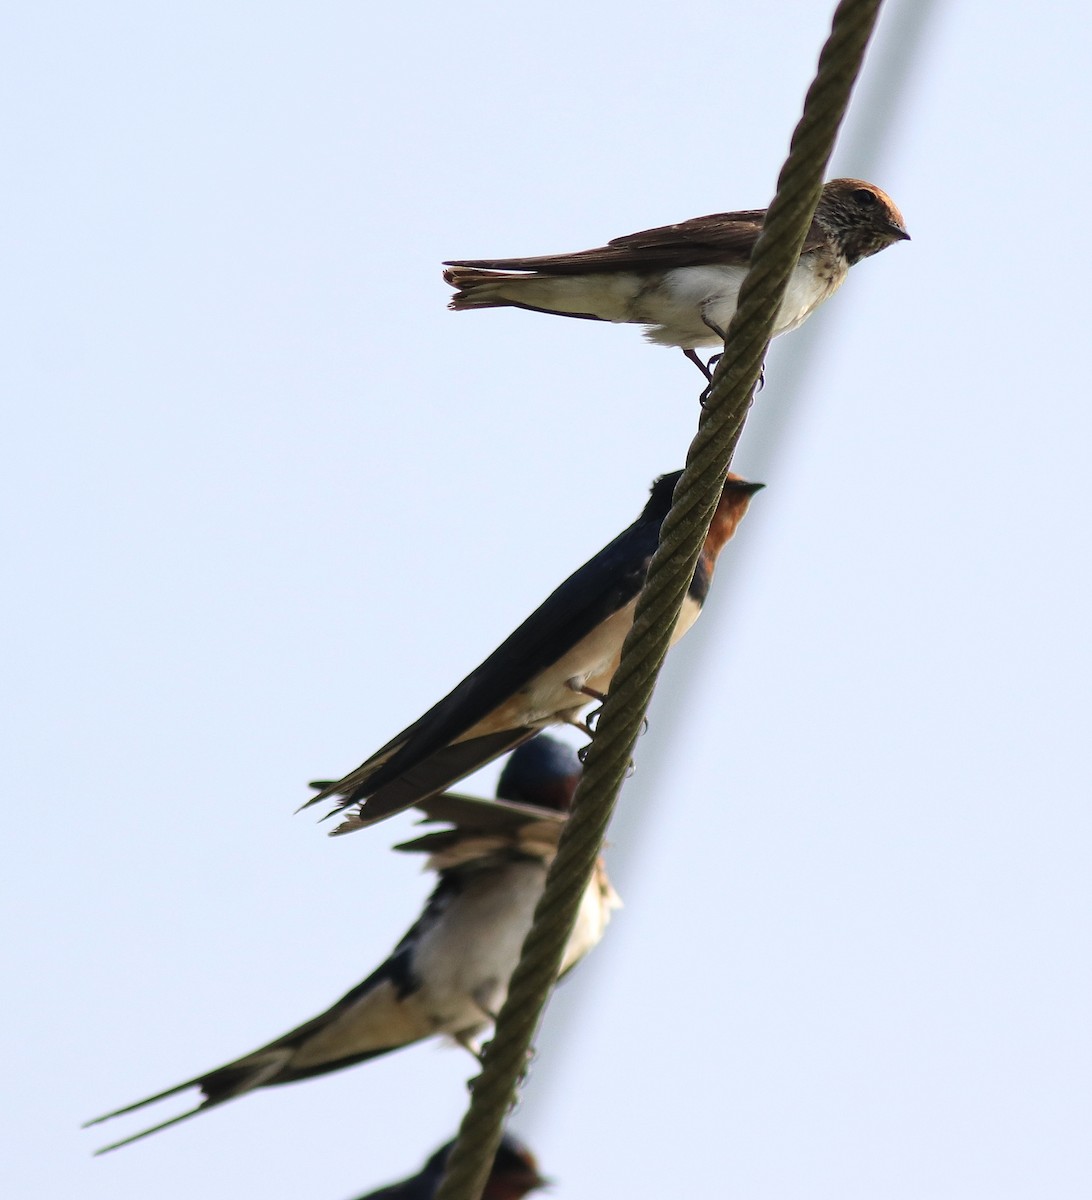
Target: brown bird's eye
point(864, 196)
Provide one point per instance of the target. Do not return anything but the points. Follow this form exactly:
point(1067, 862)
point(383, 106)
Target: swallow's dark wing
point(514, 1171)
point(273, 1063)
point(424, 758)
point(475, 818)
point(421, 1186)
point(476, 813)
point(718, 238)
point(426, 776)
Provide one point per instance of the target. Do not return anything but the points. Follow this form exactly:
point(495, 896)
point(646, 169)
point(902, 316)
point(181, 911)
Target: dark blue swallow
point(514, 1174)
point(559, 660)
point(449, 974)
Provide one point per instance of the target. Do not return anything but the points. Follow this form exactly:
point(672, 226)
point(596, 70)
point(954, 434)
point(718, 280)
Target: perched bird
point(562, 657)
point(449, 974)
point(514, 1174)
point(682, 281)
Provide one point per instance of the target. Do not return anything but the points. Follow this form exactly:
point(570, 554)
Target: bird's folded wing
point(718, 238)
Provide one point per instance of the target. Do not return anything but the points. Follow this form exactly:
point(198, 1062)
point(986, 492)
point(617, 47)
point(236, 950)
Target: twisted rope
point(672, 568)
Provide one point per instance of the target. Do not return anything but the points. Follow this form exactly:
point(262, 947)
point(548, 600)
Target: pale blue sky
point(268, 499)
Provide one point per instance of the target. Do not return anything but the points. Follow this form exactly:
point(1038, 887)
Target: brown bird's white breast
point(674, 312)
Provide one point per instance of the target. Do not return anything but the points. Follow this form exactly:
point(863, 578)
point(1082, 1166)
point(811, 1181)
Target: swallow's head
point(861, 217)
point(515, 1172)
point(659, 498)
point(735, 497)
point(543, 771)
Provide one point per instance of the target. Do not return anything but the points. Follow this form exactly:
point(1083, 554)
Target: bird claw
point(585, 725)
point(577, 723)
point(703, 399)
point(521, 1079)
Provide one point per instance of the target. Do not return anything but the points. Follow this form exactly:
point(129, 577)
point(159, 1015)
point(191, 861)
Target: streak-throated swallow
point(514, 1174)
point(559, 660)
point(682, 281)
point(449, 974)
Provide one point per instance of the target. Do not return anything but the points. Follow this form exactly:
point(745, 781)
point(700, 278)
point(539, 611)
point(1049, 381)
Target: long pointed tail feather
point(136, 1137)
point(120, 1112)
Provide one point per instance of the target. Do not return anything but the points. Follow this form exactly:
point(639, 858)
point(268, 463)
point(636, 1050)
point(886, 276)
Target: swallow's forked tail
point(136, 1137)
point(218, 1086)
point(433, 775)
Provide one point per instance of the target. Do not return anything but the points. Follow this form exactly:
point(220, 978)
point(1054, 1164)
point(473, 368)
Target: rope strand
point(775, 255)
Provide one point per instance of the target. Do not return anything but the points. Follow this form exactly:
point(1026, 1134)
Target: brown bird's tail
point(566, 295)
point(475, 288)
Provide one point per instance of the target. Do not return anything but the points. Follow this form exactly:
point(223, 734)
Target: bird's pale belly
point(690, 299)
point(465, 964)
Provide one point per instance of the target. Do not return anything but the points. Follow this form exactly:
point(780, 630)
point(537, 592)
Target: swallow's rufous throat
point(449, 974)
point(559, 660)
point(681, 282)
point(514, 1174)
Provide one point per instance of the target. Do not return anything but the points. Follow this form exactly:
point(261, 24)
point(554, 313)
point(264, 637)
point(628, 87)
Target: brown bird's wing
point(717, 238)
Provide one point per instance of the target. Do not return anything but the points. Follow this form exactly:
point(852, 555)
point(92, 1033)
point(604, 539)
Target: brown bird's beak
point(898, 233)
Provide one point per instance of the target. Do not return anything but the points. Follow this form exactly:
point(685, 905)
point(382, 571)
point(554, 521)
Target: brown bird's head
point(861, 217)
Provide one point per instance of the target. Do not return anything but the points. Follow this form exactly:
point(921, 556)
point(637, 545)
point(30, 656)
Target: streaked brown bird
point(681, 282)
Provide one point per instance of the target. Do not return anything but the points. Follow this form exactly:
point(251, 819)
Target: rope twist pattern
point(681, 539)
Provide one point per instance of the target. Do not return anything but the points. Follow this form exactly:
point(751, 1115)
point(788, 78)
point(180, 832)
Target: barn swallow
point(449, 974)
point(562, 657)
point(682, 281)
point(514, 1174)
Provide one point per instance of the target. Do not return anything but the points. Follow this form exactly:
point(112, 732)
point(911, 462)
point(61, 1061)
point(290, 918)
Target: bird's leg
point(482, 998)
point(696, 360)
point(469, 1043)
point(582, 689)
point(714, 327)
point(710, 366)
